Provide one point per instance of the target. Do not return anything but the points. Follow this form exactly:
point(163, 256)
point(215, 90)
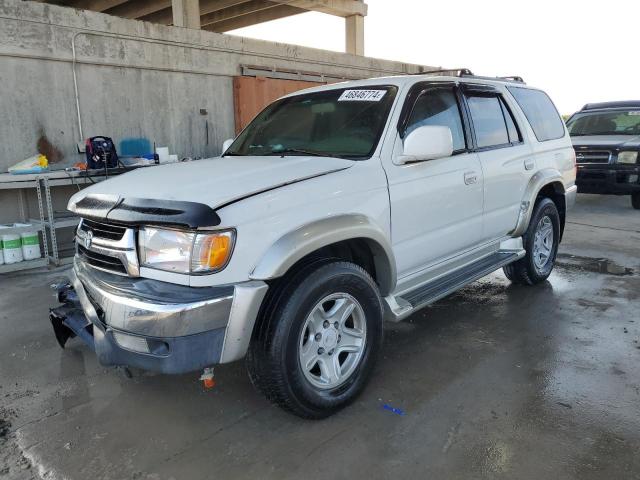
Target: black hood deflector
point(145, 211)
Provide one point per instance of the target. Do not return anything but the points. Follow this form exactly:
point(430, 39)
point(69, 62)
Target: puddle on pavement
point(596, 265)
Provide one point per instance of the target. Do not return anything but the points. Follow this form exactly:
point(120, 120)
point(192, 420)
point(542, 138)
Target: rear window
point(540, 112)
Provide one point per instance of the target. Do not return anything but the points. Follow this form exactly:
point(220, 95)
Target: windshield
point(344, 123)
point(605, 123)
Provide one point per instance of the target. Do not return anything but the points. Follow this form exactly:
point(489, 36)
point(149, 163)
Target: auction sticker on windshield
point(362, 95)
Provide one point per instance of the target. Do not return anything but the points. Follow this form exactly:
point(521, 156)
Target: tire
point(293, 330)
point(536, 266)
point(635, 200)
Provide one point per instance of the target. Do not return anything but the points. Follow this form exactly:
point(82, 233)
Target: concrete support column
point(354, 30)
point(186, 13)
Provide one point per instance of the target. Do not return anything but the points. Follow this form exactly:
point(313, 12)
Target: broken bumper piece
point(154, 325)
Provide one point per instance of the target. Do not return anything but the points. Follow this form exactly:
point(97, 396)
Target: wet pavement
point(496, 381)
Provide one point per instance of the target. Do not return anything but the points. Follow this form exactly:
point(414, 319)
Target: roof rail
point(454, 72)
point(512, 78)
point(614, 104)
point(465, 72)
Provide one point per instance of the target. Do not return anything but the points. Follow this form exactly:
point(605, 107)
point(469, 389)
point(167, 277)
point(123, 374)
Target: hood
point(607, 141)
point(216, 181)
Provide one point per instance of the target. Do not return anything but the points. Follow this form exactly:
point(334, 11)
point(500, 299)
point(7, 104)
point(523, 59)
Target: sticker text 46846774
point(362, 95)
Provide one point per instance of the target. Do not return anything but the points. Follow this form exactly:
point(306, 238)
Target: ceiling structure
point(225, 15)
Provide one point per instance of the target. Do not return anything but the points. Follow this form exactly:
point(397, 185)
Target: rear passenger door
point(507, 162)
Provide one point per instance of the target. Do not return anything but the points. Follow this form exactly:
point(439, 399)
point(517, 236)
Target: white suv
point(338, 207)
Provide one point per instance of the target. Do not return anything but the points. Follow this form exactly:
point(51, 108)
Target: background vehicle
point(336, 208)
point(606, 137)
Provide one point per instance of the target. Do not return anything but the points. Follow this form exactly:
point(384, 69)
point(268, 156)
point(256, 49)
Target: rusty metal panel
point(252, 94)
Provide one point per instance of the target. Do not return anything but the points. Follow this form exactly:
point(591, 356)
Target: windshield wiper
point(233, 154)
point(301, 151)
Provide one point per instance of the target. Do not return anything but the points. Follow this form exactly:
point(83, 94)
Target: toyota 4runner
point(336, 208)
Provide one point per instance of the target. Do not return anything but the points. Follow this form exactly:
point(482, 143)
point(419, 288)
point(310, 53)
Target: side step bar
point(407, 303)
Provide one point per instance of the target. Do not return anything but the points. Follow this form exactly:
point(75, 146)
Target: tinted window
point(514, 134)
point(541, 113)
point(438, 106)
point(488, 121)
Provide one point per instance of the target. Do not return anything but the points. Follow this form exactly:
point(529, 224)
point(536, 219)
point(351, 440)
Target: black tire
point(525, 271)
point(635, 200)
point(273, 357)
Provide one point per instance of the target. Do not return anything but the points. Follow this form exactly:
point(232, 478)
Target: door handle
point(470, 178)
point(529, 163)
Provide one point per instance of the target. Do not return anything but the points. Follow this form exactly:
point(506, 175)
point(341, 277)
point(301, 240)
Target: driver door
point(436, 205)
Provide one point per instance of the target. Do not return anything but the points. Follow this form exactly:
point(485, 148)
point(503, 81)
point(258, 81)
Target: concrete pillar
point(354, 30)
point(186, 13)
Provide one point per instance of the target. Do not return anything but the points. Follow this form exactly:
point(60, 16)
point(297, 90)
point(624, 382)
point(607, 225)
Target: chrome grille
point(103, 230)
point(103, 262)
point(107, 247)
point(593, 156)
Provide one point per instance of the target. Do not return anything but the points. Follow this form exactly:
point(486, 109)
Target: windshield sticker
point(362, 95)
point(634, 113)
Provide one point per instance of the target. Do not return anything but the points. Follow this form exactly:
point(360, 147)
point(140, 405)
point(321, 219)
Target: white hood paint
point(215, 181)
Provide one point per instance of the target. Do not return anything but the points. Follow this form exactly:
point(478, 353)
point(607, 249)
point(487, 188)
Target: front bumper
point(614, 181)
point(155, 325)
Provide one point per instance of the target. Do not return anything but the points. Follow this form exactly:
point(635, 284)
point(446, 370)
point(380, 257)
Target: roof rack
point(465, 72)
point(614, 104)
point(454, 72)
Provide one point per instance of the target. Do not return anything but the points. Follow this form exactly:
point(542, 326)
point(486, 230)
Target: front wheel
point(318, 339)
point(635, 200)
point(541, 243)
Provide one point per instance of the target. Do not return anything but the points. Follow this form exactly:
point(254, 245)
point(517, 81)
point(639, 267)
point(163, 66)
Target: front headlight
point(627, 157)
point(184, 252)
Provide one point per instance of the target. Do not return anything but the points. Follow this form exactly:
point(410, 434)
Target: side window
point(514, 133)
point(488, 121)
point(438, 106)
point(540, 112)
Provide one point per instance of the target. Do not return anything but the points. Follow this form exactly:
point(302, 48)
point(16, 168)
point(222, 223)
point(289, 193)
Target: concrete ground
point(496, 381)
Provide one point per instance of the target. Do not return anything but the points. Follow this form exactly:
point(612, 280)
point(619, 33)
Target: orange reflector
point(216, 251)
point(209, 383)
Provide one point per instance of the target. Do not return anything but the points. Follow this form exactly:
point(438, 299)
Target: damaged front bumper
point(154, 325)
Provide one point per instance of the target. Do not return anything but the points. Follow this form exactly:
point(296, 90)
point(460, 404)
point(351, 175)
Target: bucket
point(30, 242)
point(12, 247)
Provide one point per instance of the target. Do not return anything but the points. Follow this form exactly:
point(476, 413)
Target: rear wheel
point(635, 200)
point(319, 337)
point(541, 243)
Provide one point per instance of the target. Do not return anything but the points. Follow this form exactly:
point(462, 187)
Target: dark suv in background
point(606, 138)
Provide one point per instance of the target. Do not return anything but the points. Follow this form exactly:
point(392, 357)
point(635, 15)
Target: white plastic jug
point(12, 247)
point(30, 242)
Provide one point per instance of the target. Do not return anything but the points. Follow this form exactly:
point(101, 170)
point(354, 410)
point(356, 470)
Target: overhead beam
point(246, 8)
point(138, 8)
point(94, 5)
point(186, 13)
point(340, 8)
point(206, 6)
point(265, 15)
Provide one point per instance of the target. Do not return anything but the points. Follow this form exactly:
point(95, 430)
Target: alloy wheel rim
point(543, 243)
point(332, 340)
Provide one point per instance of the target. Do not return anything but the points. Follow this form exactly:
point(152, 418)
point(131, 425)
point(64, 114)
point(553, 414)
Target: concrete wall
point(135, 79)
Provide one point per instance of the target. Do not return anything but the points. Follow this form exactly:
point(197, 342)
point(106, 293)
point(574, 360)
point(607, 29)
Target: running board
point(403, 305)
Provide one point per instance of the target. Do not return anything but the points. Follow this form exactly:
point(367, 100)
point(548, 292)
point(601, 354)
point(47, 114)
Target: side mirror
point(427, 143)
point(226, 144)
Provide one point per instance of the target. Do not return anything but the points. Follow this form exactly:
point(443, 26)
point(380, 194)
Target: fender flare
point(537, 182)
point(297, 244)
